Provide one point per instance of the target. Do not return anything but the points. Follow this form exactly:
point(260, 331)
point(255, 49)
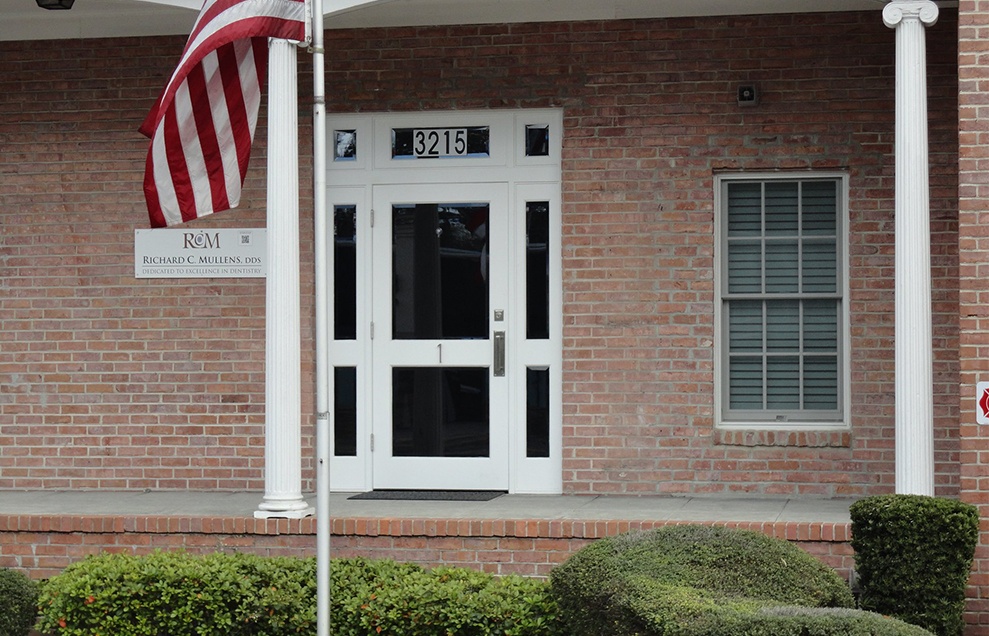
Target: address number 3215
point(439, 142)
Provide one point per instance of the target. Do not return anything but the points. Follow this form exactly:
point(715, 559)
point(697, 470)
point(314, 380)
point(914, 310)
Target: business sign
point(216, 253)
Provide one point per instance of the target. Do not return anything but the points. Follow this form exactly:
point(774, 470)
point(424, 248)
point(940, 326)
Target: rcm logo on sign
point(200, 241)
point(982, 403)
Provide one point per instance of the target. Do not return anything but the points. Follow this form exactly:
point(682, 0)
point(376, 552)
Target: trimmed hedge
point(18, 603)
point(180, 594)
point(913, 555)
point(707, 581)
point(384, 597)
point(238, 594)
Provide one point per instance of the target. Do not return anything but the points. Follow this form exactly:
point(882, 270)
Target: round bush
point(706, 581)
point(18, 603)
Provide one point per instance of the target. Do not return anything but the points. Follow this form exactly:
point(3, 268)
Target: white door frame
point(438, 473)
point(353, 180)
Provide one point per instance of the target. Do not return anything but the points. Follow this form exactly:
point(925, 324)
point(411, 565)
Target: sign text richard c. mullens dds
point(214, 253)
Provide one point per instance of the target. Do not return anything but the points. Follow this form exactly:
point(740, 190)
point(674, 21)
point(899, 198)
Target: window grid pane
point(781, 299)
point(745, 383)
point(820, 383)
point(782, 267)
point(745, 267)
point(819, 263)
point(745, 326)
point(744, 209)
point(782, 209)
point(783, 382)
point(783, 325)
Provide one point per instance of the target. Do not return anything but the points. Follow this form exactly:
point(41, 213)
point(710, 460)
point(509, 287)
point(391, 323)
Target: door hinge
point(372, 442)
point(372, 330)
point(372, 217)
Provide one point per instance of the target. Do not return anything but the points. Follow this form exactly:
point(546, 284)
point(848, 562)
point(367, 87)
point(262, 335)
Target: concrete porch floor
point(529, 507)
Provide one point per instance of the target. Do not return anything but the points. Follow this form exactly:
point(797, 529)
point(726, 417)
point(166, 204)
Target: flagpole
point(322, 329)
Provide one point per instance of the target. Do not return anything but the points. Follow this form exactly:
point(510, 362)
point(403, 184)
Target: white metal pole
point(322, 330)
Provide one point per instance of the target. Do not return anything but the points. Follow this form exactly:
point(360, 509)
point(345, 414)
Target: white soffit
point(428, 12)
point(23, 20)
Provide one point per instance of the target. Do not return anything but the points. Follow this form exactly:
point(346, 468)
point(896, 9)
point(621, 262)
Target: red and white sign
point(982, 402)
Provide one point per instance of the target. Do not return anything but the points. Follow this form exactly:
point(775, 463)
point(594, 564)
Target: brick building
point(672, 228)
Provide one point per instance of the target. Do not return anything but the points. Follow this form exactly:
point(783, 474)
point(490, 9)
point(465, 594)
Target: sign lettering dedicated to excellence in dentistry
point(213, 253)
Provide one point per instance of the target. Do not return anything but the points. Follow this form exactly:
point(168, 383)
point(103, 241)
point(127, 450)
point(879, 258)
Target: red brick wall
point(973, 245)
point(107, 381)
point(111, 382)
point(43, 546)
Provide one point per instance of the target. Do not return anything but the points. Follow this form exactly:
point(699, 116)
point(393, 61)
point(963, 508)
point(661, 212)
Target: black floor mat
point(430, 495)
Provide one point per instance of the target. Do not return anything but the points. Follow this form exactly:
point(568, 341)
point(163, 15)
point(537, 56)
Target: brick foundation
point(44, 545)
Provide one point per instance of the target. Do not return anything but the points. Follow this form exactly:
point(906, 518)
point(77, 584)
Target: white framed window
point(781, 287)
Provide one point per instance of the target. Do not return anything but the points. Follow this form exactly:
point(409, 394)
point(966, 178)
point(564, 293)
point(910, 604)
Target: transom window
point(781, 285)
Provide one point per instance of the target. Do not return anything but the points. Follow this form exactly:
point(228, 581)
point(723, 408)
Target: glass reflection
point(537, 141)
point(345, 272)
point(345, 411)
point(537, 413)
point(440, 271)
point(440, 412)
point(537, 270)
point(344, 145)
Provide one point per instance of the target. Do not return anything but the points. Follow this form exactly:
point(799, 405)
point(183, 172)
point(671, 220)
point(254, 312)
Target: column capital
point(899, 10)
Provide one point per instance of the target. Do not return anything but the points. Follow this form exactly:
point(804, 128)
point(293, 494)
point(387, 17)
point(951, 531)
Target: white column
point(283, 335)
point(914, 375)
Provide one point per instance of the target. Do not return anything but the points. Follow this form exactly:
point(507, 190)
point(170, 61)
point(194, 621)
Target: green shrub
point(913, 555)
point(178, 594)
point(236, 594)
point(707, 581)
point(384, 597)
point(18, 603)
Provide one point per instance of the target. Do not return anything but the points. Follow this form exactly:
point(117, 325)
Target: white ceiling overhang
point(23, 20)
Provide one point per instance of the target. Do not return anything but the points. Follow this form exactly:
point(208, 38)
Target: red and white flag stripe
point(202, 126)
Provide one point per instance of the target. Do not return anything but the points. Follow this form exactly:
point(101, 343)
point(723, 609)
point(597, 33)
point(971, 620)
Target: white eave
point(23, 20)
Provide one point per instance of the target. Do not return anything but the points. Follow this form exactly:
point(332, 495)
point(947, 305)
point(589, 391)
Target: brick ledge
point(400, 527)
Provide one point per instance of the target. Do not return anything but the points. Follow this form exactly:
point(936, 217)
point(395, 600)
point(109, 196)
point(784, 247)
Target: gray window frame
point(769, 416)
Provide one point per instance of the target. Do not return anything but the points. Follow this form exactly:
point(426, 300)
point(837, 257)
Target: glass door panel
point(440, 412)
point(439, 271)
point(440, 415)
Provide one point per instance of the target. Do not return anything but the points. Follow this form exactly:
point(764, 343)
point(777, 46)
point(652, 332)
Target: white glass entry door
point(440, 293)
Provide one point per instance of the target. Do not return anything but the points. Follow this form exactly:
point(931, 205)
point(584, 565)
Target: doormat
point(430, 495)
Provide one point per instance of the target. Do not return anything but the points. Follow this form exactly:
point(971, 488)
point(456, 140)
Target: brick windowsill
point(810, 438)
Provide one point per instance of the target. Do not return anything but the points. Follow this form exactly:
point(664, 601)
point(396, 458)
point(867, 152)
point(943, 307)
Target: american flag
point(202, 126)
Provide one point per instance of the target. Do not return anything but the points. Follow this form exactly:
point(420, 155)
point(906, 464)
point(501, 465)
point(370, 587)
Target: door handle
point(499, 354)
